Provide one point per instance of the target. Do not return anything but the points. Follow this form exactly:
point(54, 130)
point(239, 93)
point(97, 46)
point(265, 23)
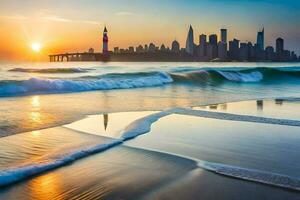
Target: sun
point(36, 47)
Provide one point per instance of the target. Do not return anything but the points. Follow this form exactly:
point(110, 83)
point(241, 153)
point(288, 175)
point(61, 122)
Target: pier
point(77, 57)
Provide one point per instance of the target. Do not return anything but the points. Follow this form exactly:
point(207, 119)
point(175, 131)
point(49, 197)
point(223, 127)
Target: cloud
point(52, 18)
point(125, 13)
point(66, 20)
point(57, 19)
point(14, 17)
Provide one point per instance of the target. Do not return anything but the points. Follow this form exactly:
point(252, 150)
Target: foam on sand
point(142, 126)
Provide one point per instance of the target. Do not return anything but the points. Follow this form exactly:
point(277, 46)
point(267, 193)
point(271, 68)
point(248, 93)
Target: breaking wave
point(105, 82)
point(143, 79)
point(51, 70)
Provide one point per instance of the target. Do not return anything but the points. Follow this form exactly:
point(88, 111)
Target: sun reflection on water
point(46, 187)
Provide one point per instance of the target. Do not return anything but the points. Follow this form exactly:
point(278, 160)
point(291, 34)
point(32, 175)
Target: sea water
point(42, 95)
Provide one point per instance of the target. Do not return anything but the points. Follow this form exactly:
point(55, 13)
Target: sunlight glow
point(36, 47)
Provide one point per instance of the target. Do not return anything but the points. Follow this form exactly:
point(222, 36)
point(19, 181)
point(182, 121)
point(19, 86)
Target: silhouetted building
point(279, 49)
point(213, 39)
point(210, 51)
point(222, 51)
point(152, 47)
point(116, 50)
point(189, 47)
point(91, 50)
point(224, 35)
point(244, 52)
point(270, 54)
point(251, 55)
point(213, 43)
point(175, 46)
point(131, 49)
point(261, 40)
point(203, 46)
point(163, 47)
point(139, 49)
point(234, 49)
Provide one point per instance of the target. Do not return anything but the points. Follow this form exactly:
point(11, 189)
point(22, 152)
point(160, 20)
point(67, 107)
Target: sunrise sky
point(76, 25)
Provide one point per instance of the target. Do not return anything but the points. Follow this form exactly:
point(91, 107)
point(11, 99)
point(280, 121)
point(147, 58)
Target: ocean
point(40, 95)
point(182, 122)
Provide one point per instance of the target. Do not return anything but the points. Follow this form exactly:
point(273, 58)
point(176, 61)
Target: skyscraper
point(203, 46)
point(280, 49)
point(213, 39)
point(189, 47)
point(213, 43)
point(279, 46)
point(105, 42)
point(234, 49)
point(224, 35)
point(202, 39)
point(261, 40)
point(222, 51)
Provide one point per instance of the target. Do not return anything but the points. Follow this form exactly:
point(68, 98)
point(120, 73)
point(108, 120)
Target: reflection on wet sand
point(278, 108)
point(45, 186)
point(112, 125)
point(260, 104)
point(105, 120)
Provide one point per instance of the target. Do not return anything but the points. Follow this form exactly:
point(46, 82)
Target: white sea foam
point(142, 126)
point(274, 179)
point(38, 85)
point(13, 175)
point(255, 76)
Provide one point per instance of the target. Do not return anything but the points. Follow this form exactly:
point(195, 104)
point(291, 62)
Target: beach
point(149, 131)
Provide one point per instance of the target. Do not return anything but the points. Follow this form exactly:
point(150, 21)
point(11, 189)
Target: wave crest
point(51, 70)
point(38, 85)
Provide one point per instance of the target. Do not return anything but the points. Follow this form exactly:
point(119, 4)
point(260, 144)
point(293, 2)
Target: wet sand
point(129, 173)
point(271, 148)
point(144, 167)
point(285, 108)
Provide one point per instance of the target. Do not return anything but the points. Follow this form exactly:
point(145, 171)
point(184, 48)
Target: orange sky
point(71, 26)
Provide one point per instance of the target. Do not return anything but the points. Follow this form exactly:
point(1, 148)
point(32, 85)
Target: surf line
point(143, 125)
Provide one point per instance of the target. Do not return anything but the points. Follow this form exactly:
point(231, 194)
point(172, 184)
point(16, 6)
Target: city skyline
point(213, 49)
point(57, 24)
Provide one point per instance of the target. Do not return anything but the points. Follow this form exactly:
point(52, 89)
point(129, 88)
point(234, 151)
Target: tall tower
point(189, 47)
point(224, 35)
point(261, 39)
point(105, 42)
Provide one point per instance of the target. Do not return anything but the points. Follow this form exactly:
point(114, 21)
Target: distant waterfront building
point(146, 48)
point(163, 47)
point(213, 39)
point(91, 50)
point(131, 49)
point(279, 49)
point(189, 47)
point(261, 40)
point(139, 49)
point(213, 42)
point(222, 51)
point(224, 35)
point(244, 52)
point(279, 45)
point(116, 50)
point(270, 54)
point(234, 46)
point(105, 42)
point(152, 47)
point(203, 46)
point(209, 52)
point(175, 46)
